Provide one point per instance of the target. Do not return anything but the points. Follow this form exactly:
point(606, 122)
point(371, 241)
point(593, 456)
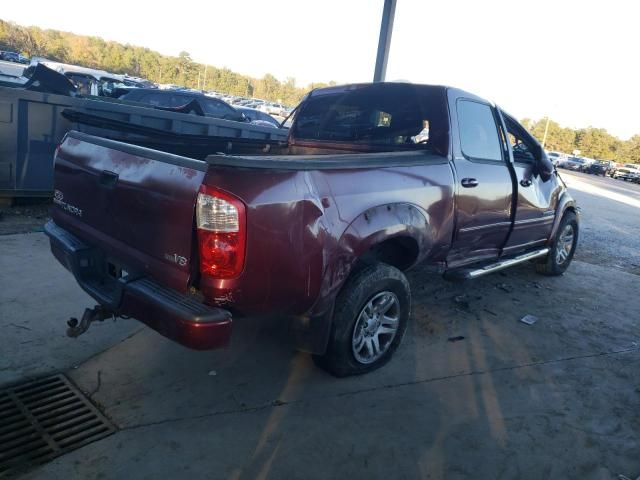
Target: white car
point(628, 172)
point(272, 108)
point(557, 158)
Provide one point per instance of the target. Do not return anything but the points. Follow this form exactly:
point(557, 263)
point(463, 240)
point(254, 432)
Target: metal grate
point(42, 419)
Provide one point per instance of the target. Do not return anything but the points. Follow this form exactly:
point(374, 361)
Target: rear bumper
point(172, 314)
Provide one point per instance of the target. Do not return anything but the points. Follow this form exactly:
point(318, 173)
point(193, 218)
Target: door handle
point(525, 182)
point(469, 182)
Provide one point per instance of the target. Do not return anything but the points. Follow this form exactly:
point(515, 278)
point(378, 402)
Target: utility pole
point(384, 42)
point(546, 130)
point(204, 82)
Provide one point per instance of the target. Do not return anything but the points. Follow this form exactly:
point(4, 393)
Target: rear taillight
point(221, 233)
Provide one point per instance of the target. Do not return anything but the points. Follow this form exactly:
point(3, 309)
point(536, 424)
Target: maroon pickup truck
point(374, 179)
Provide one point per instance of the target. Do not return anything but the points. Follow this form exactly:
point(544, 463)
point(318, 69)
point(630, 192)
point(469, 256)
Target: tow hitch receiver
point(97, 313)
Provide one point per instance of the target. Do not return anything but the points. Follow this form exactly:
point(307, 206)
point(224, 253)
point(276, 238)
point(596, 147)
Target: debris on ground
point(529, 319)
point(462, 301)
point(455, 339)
point(624, 477)
point(20, 326)
point(504, 287)
point(212, 373)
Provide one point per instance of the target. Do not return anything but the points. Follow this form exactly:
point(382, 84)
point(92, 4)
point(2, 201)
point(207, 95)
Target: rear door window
point(479, 138)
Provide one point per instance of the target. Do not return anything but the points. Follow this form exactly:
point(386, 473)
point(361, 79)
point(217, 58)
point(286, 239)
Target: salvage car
point(258, 117)
point(557, 158)
point(601, 167)
point(176, 99)
point(577, 164)
point(13, 57)
point(629, 172)
point(271, 108)
point(320, 232)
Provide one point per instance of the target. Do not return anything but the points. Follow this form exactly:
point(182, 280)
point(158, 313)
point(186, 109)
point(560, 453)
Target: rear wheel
point(563, 248)
point(370, 319)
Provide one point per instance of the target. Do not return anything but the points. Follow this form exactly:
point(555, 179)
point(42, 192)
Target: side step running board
point(468, 274)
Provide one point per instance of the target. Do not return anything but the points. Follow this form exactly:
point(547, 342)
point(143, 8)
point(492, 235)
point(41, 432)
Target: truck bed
point(297, 205)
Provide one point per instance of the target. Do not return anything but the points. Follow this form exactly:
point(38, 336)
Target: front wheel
point(370, 319)
point(563, 248)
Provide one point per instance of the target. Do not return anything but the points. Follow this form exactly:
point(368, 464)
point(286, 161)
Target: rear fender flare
point(372, 227)
point(377, 225)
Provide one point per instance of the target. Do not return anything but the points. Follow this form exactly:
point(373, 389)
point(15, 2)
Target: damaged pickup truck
point(374, 179)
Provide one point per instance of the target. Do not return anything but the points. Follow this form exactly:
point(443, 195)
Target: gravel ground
point(25, 217)
point(610, 230)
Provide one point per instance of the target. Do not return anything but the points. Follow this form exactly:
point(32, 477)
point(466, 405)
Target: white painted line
point(573, 182)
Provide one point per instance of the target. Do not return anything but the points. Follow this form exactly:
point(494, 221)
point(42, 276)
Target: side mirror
point(544, 166)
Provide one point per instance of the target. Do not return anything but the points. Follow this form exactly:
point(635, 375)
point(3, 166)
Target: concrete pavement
point(557, 399)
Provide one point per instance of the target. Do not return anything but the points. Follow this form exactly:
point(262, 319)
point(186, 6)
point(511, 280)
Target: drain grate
point(45, 418)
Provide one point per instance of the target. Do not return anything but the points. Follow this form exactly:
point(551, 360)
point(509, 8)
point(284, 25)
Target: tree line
point(94, 52)
point(592, 142)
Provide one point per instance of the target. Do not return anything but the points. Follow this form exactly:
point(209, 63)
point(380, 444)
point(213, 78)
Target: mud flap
point(311, 333)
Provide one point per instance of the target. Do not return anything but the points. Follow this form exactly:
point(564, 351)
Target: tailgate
point(134, 203)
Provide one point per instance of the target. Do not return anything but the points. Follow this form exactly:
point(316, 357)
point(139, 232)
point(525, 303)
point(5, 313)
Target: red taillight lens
point(221, 233)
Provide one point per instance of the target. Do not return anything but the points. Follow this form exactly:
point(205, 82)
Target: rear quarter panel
point(306, 229)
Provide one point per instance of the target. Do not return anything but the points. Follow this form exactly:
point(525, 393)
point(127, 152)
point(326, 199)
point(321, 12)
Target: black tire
point(552, 264)
point(360, 289)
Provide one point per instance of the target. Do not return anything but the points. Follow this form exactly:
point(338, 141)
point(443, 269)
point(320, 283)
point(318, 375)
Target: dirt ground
point(472, 392)
point(24, 217)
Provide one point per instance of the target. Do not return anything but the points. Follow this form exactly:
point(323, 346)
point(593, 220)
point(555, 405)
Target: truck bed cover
point(328, 162)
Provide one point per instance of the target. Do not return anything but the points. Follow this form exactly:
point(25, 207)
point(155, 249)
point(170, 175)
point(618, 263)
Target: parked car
point(256, 116)
point(287, 111)
point(174, 99)
point(575, 163)
point(588, 163)
point(271, 108)
point(630, 172)
point(601, 167)
point(557, 158)
point(11, 57)
point(321, 236)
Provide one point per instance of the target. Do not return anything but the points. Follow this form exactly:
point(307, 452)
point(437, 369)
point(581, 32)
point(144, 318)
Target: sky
point(575, 61)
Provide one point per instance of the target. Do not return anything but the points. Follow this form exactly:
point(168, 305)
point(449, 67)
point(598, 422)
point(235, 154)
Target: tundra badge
point(175, 258)
point(58, 199)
